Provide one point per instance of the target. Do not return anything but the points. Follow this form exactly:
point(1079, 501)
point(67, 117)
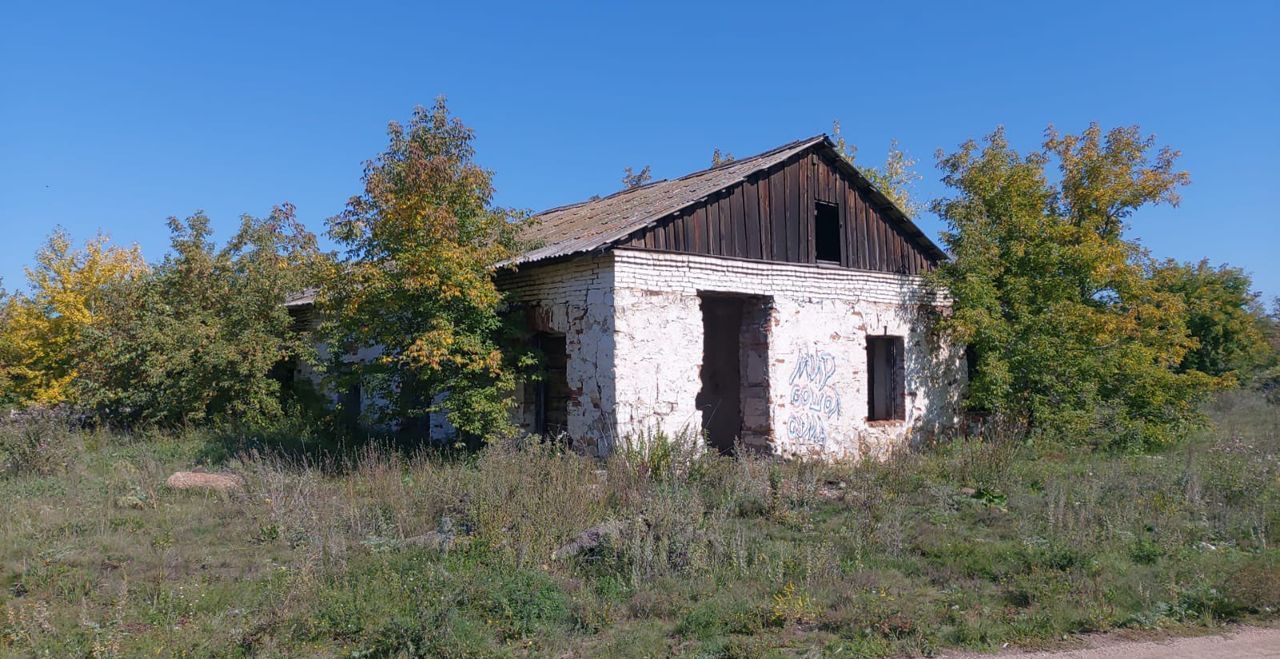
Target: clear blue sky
point(114, 116)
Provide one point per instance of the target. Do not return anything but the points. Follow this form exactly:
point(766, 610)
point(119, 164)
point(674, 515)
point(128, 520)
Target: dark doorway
point(721, 397)
point(886, 379)
point(551, 391)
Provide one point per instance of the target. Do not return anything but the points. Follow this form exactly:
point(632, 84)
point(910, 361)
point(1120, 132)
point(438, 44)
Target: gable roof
point(599, 223)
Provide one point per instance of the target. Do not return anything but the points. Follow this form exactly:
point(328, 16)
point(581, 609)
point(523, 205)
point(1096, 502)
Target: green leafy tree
point(422, 243)
point(198, 340)
point(1069, 331)
point(1272, 328)
point(1223, 315)
point(1269, 379)
point(896, 178)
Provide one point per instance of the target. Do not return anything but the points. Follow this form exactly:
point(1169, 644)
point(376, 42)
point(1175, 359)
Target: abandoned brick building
point(776, 300)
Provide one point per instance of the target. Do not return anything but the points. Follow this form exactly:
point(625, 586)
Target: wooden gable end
point(771, 217)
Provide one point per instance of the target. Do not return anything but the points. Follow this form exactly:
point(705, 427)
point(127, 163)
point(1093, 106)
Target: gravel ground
point(1238, 643)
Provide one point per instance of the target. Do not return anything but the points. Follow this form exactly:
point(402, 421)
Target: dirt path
point(1240, 643)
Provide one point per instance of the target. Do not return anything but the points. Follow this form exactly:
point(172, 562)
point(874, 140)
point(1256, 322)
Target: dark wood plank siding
point(771, 217)
point(805, 210)
point(751, 212)
point(840, 193)
point(738, 219)
point(791, 203)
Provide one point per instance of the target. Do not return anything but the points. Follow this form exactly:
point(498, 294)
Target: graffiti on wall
point(814, 399)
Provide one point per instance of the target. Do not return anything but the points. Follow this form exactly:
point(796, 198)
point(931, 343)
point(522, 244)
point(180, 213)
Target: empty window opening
point(826, 232)
point(551, 391)
point(886, 379)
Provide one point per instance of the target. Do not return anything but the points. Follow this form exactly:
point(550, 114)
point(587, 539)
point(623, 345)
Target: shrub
point(1255, 585)
point(529, 498)
point(654, 454)
point(200, 337)
point(669, 533)
point(792, 606)
point(40, 443)
point(731, 612)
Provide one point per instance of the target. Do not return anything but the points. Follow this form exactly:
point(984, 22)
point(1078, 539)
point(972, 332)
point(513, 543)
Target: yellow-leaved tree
point(39, 327)
point(422, 244)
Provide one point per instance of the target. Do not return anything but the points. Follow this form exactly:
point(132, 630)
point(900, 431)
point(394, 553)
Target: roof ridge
point(763, 154)
point(732, 163)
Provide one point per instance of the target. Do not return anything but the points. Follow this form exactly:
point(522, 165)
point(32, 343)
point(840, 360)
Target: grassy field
point(969, 545)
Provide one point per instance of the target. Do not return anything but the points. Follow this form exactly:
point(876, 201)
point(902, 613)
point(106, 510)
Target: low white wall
point(816, 349)
point(633, 327)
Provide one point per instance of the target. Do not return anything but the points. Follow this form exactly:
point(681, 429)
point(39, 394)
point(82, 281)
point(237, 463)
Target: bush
point(657, 455)
point(1255, 585)
point(38, 442)
point(418, 603)
point(530, 498)
point(203, 336)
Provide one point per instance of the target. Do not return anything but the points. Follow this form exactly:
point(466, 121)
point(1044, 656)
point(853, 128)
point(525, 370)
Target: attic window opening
point(826, 232)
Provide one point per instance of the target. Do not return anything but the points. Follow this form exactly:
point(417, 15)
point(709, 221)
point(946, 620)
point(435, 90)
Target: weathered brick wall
point(574, 298)
point(818, 325)
point(633, 327)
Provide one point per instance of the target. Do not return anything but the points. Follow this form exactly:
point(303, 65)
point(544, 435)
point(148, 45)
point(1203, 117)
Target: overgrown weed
point(380, 550)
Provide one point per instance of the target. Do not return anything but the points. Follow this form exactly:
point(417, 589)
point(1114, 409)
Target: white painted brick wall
point(823, 314)
point(575, 298)
point(634, 328)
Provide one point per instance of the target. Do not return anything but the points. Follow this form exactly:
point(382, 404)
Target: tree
point(1068, 328)
point(422, 243)
point(718, 158)
point(1269, 379)
point(198, 339)
point(632, 179)
point(896, 178)
point(1223, 315)
point(65, 300)
point(8, 352)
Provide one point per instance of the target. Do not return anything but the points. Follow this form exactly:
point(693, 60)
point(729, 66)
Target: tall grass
point(974, 543)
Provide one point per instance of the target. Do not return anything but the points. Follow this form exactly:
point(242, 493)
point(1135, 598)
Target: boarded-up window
point(551, 393)
point(826, 232)
point(886, 378)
